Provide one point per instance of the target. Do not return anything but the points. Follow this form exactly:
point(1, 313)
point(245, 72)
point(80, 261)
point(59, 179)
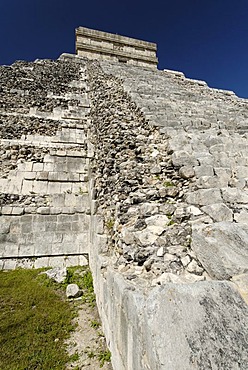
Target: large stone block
point(198, 326)
point(222, 248)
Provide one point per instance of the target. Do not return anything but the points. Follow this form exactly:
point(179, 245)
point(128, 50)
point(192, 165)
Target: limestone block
point(218, 212)
point(147, 209)
point(241, 172)
point(203, 171)
point(28, 166)
point(37, 167)
point(6, 210)
point(27, 187)
point(73, 291)
point(41, 262)
point(222, 248)
point(233, 195)
point(223, 173)
point(43, 210)
point(145, 237)
point(206, 322)
point(183, 158)
point(4, 226)
point(187, 172)
point(48, 159)
point(194, 211)
point(65, 187)
point(29, 175)
point(157, 220)
point(26, 250)
point(55, 210)
point(53, 188)
point(52, 176)
point(208, 182)
point(14, 186)
point(58, 274)
point(83, 261)
point(73, 177)
point(62, 176)
point(58, 200)
point(40, 187)
point(205, 160)
point(4, 185)
point(9, 249)
point(71, 200)
point(10, 264)
point(49, 166)
point(222, 160)
point(17, 211)
point(204, 197)
point(241, 217)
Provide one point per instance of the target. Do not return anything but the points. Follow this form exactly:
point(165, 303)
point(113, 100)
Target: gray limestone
point(196, 327)
point(58, 274)
point(222, 249)
point(73, 291)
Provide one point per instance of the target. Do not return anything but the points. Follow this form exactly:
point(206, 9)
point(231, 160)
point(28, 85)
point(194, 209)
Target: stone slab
point(222, 248)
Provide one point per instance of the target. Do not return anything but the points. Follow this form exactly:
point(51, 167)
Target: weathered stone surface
point(219, 212)
point(187, 172)
point(73, 291)
point(204, 197)
point(222, 249)
point(242, 217)
point(183, 158)
point(42, 158)
point(58, 274)
point(207, 323)
point(242, 284)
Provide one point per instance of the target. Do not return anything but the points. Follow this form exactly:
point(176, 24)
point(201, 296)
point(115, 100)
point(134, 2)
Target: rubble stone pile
point(139, 190)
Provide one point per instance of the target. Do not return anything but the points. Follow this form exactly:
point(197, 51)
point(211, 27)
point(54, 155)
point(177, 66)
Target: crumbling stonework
point(44, 165)
point(147, 172)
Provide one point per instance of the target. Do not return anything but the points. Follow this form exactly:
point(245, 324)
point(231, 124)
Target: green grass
point(83, 278)
point(35, 319)
point(110, 224)
point(95, 324)
point(102, 356)
point(168, 184)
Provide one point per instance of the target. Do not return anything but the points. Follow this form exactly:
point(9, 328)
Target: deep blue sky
point(205, 39)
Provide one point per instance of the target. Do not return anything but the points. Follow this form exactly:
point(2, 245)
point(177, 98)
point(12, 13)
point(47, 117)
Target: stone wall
point(44, 164)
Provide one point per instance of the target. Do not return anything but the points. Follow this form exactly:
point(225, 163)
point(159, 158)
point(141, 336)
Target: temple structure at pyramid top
point(102, 45)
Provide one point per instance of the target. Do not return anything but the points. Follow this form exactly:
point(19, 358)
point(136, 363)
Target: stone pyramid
point(145, 173)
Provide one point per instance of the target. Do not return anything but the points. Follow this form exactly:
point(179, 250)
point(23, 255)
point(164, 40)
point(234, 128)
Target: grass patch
point(102, 356)
point(35, 320)
point(83, 278)
point(95, 324)
point(110, 224)
point(168, 184)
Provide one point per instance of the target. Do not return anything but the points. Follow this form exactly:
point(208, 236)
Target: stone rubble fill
point(139, 190)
